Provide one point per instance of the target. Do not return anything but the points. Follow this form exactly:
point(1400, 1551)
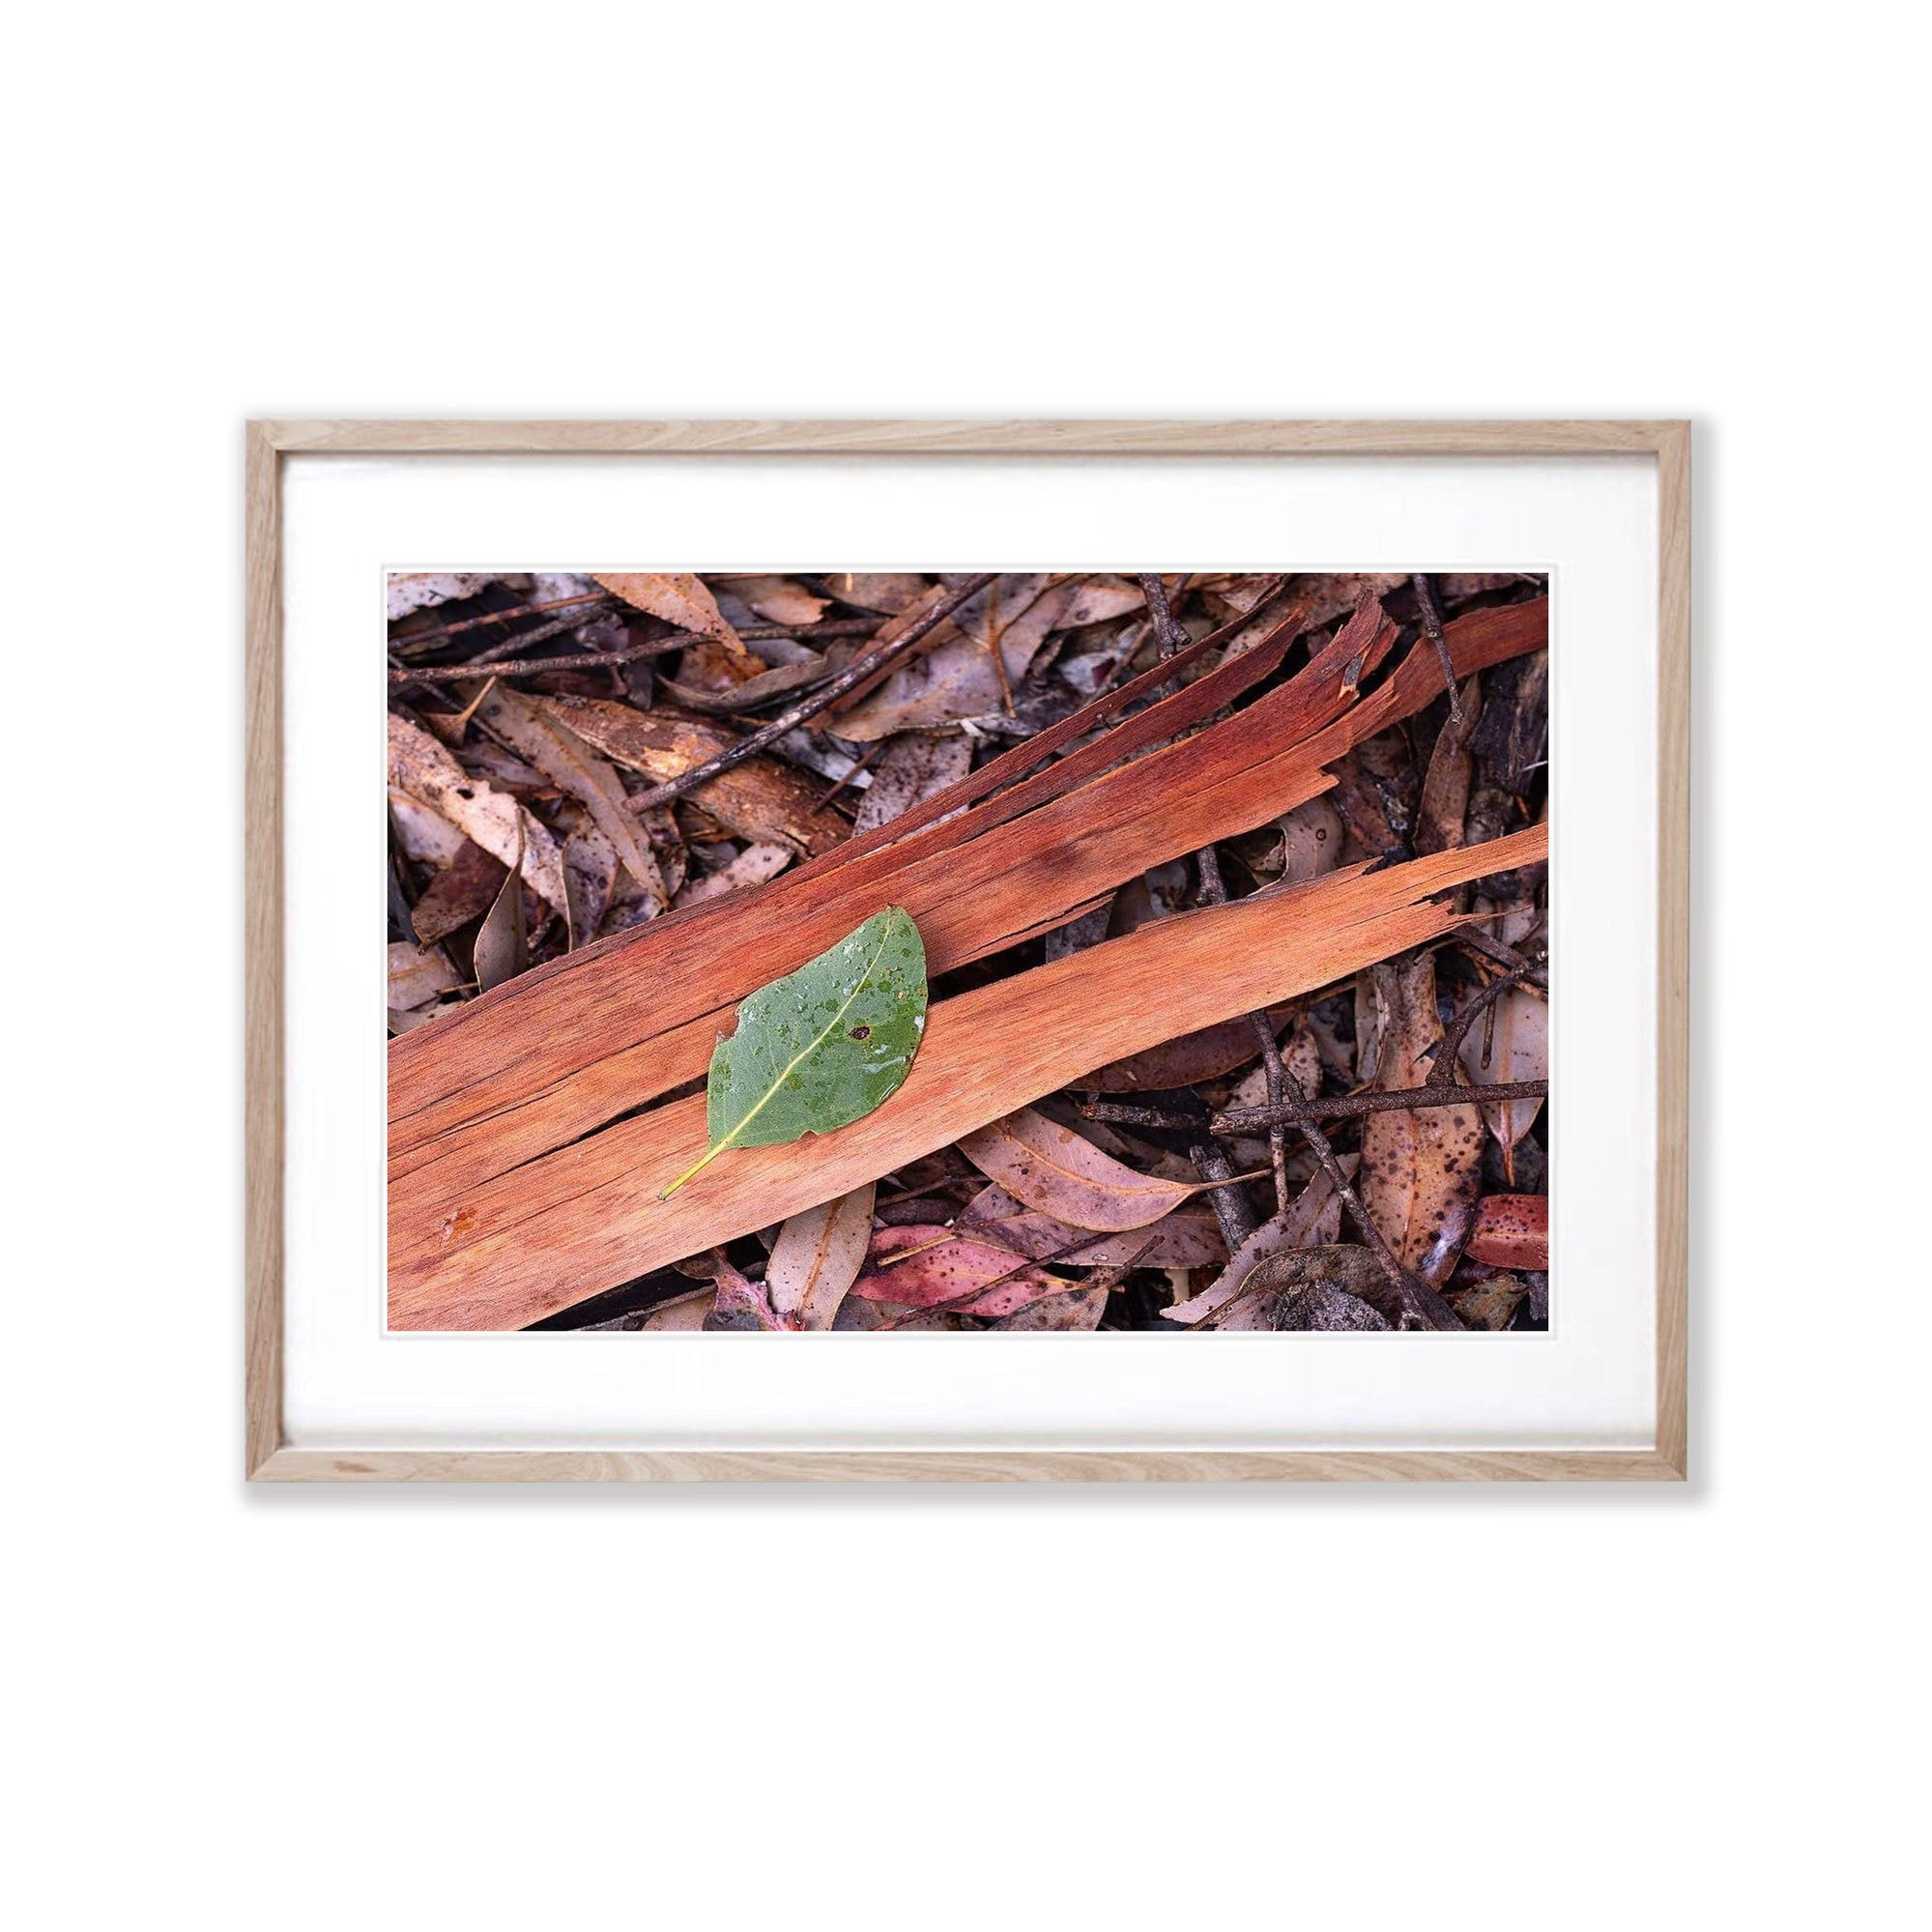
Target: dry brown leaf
point(913, 767)
point(817, 1257)
point(1095, 599)
point(679, 599)
point(418, 974)
point(1313, 1217)
point(503, 942)
point(759, 799)
point(1335, 1287)
point(419, 589)
point(407, 1019)
point(1490, 1304)
point(749, 693)
point(425, 836)
point(424, 770)
point(1301, 1057)
point(1329, 596)
point(779, 600)
point(1055, 1171)
point(464, 890)
point(590, 877)
point(532, 728)
point(889, 592)
point(957, 677)
point(682, 1313)
point(1310, 840)
point(1422, 1167)
point(1517, 1049)
point(751, 867)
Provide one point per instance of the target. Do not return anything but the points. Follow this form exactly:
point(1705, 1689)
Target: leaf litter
point(550, 702)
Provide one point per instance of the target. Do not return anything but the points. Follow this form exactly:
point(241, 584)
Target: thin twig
point(1287, 1094)
point(1442, 1056)
point(520, 667)
point(1416, 1294)
point(1470, 936)
point(995, 634)
point(1167, 626)
point(425, 640)
point(860, 764)
point(1232, 1210)
point(1432, 623)
point(1344, 1107)
point(865, 665)
point(496, 657)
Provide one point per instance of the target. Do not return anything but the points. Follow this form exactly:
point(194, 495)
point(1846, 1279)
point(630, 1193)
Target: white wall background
point(1493, 1709)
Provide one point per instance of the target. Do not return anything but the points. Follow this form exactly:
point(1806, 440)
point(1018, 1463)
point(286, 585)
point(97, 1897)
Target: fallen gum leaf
point(820, 1048)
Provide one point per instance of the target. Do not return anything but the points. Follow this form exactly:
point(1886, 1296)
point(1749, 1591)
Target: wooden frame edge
point(1026, 1465)
point(268, 1458)
point(952, 437)
point(262, 1323)
point(1673, 943)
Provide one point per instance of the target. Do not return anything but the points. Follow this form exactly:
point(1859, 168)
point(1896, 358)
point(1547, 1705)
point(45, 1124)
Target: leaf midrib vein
point(809, 1048)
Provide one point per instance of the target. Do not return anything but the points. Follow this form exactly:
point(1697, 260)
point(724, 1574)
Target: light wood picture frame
point(271, 1458)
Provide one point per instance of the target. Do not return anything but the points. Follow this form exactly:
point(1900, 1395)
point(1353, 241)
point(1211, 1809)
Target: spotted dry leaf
point(1422, 1167)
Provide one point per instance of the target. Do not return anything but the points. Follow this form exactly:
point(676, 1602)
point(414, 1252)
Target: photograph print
point(1105, 951)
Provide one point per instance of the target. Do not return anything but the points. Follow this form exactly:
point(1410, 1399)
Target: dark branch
point(866, 664)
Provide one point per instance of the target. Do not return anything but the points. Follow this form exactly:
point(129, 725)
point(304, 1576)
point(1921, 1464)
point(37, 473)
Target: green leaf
point(821, 1047)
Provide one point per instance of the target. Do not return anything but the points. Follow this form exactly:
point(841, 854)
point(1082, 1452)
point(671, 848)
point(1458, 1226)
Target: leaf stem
point(710, 1155)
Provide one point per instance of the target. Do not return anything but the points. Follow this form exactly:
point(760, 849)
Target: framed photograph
point(1040, 951)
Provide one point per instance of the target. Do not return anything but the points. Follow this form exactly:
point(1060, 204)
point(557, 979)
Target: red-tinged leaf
point(1445, 786)
point(922, 1266)
point(1187, 1237)
point(1204, 1056)
point(1076, 1312)
point(741, 1304)
point(816, 1258)
point(1055, 1171)
point(464, 890)
point(1511, 1231)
